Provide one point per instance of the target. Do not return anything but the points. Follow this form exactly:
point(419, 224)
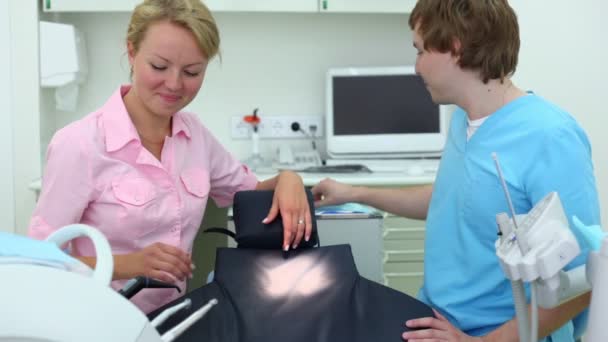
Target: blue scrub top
point(541, 148)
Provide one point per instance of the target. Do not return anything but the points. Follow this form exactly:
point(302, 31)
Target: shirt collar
point(180, 125)
point(119, 129)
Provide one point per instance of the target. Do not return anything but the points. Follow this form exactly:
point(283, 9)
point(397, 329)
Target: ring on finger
point(301, 221)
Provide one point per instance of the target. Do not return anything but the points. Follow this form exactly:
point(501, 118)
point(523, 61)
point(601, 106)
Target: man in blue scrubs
point(467, 51)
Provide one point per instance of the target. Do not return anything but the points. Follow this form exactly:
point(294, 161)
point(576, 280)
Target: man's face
point(436, 69)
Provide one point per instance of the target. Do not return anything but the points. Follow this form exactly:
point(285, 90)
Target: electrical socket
point(277, 126)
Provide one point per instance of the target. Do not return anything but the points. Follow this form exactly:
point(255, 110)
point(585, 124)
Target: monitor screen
point(384, 112)
point(381, 105)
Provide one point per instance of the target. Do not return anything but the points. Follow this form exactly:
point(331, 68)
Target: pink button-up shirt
point(98, 173)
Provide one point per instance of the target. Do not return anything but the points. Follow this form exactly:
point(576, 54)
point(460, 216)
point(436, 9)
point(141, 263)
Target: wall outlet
point(277, 126)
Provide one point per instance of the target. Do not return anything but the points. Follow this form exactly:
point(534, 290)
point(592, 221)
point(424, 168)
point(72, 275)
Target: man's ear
point(456, 48)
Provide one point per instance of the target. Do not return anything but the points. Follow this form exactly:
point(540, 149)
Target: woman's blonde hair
point(193, 15)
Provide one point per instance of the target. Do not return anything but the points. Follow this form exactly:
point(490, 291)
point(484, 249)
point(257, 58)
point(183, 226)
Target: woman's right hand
point(159, 261)
point(330, 192)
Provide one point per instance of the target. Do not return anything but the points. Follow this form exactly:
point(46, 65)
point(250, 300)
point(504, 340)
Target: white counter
point(401, 172)
point(370, 179)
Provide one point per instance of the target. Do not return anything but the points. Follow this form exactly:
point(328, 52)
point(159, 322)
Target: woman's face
point(168, 68)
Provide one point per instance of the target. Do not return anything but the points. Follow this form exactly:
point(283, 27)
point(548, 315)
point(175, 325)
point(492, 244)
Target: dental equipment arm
point(48, 303)
point(185, 324)
point(133, 286)
point(537, 251)
point(105, 263)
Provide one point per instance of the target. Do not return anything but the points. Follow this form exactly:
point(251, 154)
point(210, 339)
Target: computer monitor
point(382, 112)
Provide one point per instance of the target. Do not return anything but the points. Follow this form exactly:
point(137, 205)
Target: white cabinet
point(89, 5)
point(342, 6)
point(367, 6)
point(263, 5)
point(364, 235)
point(403, 264)
point(214, 5)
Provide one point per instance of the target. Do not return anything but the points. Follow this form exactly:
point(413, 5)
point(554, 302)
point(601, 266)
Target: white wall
point(277, 62)
point(564, 58)
point(7, 200)
point(25, 104)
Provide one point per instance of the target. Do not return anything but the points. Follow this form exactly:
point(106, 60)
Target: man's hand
point(330, 192)
point(438, 329)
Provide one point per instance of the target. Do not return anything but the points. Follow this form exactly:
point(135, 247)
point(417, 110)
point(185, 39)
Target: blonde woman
point(141, 170)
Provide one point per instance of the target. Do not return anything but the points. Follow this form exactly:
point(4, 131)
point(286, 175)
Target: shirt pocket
point(135, 191)
point(196, 182)
point(139, 212)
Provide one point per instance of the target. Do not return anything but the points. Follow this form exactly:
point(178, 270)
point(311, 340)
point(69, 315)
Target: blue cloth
point(591, 236)
point(346, 208)
point(541, 149)
point(17, 246)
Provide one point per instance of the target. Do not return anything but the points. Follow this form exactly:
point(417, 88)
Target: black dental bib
point(314, 295)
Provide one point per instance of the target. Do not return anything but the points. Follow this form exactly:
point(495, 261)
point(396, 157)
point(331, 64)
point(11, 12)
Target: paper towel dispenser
point(62, 55)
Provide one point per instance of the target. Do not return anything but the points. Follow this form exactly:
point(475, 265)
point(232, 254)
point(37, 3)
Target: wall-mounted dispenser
point(62, 62)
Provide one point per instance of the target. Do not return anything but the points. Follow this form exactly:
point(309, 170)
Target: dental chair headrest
point(250, 208)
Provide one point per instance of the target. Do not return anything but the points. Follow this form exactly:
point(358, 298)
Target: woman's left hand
point(290, 200)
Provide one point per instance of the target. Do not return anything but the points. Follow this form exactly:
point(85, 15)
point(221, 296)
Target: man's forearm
point(412, 202)
point(549, 320)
